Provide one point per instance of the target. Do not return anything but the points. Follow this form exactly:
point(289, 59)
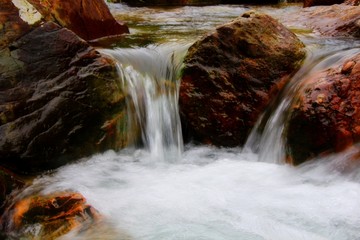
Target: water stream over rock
point(164, 190)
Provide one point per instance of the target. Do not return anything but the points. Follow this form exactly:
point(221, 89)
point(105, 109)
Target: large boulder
point(88, 19)
point(51, 215)
point(231, 76)
point(59, 100)
point(325, 117)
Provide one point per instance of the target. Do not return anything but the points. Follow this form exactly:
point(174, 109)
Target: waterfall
point(150, 80)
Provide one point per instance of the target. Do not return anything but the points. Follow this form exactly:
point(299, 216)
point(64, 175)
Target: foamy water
point(166, 191)
point(217, 194)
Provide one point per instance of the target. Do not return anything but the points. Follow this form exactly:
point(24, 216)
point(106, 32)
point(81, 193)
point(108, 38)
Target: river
point(165, 190)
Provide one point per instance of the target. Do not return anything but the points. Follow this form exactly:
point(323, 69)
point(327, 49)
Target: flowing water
point(164, 190)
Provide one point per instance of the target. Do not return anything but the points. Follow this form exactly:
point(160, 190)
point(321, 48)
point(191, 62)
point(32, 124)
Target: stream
point(165, 190)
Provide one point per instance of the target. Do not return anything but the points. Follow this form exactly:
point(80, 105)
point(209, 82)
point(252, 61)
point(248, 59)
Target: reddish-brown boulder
point(231, 76)
point(88, 19)
point(326, 115)
point(51, 215)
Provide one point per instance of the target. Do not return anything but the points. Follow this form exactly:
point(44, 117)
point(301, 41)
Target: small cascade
point(266, 138)
point(150, 80)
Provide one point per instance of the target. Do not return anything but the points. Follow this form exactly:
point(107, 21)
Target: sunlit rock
point(88, 19)
point(49, 216)
point(232, 75)
point(325, 117)
point(60, 100)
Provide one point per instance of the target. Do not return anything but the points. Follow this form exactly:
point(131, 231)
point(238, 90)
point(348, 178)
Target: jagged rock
point(59, 100)
point(231, 76)
point(326, 116)
point(48, 216)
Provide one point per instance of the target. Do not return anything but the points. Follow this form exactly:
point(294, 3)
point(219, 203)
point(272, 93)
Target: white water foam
point(217, 194)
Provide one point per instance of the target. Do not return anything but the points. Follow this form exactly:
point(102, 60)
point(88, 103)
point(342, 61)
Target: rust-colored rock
point(88, 19)
point(57, 97)
point(326, 117)
point(232, 75)
point(52, 216)
point(339, 20)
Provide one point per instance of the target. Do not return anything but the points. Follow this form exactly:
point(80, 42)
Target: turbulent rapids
point(160, 188)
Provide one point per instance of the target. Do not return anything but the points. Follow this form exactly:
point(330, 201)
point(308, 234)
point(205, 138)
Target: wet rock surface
point(49, 216)
point(326, 116)
point(232, 75)
point(60, 100)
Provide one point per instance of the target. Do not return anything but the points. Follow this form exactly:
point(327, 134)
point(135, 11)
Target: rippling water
point(204, 192)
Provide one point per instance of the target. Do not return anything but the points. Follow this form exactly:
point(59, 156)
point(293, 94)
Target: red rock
point(88, 19)
point(231, 76)
point(326, 117)
point(53, 215)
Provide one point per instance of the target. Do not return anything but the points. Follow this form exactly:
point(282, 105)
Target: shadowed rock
point(60, 100)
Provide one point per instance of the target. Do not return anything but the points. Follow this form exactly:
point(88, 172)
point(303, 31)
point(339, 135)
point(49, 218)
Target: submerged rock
point(49, 216)
point(326, 116)
point(60, 100)
point(231, 76)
